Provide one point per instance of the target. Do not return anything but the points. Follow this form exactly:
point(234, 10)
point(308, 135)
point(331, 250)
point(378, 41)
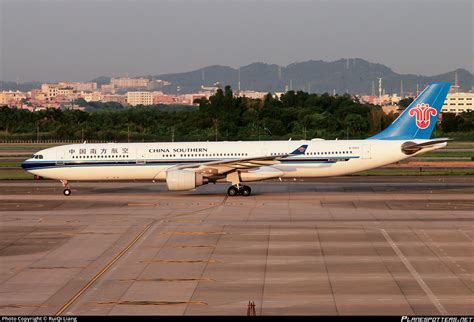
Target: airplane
point(188, 165)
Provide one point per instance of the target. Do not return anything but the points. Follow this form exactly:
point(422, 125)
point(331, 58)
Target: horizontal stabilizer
point(412, 147)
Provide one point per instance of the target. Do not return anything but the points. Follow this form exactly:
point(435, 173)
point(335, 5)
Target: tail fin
point(300, 150)
point(417, 120)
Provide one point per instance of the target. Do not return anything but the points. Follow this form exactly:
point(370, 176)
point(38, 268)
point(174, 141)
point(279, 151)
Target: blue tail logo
point(418, 119)
point(300, 150)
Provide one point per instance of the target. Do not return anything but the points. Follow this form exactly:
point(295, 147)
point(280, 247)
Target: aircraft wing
point(229, 165)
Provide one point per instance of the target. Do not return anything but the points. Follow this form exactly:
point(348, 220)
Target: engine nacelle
point(184, 180)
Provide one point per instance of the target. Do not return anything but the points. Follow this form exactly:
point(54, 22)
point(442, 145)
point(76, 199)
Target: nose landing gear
point(66, 190)
point(239, 190)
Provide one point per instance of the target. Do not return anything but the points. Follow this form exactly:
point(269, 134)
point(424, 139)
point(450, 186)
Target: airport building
point(458, 103)
point(140, 98)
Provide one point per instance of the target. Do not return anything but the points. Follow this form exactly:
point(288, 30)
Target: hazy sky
point(52, 40)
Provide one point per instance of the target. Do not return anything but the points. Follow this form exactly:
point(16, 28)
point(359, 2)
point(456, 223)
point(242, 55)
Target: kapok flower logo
point(422, 114)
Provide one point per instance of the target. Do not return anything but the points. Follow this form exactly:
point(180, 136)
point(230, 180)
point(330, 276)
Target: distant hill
point(101, 80)
point(343, 76)
point(353, 75)
point(23, 87)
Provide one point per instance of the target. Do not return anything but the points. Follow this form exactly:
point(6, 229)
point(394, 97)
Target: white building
point(253, 94)
point(458, 103)
point(10, 97)
point(126, 82)
point(92, 96)
point(79, 87)
point(140, 98)
point(53, 90)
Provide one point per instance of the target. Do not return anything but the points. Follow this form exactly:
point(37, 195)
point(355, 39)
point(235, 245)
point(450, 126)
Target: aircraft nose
point(24, 165)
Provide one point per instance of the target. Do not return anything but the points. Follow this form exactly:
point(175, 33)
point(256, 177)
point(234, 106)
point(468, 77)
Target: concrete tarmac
point(349, 245)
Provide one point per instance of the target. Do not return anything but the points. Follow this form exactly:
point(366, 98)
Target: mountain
point(23, 87)
point(343, 75)
point(353, 75)
point(28, 86)
point(101, 80)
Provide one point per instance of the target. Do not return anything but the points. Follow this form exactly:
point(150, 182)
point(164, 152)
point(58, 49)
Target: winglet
point(300, 150)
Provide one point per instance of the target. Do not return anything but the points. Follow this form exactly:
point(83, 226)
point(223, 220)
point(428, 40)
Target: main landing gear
point(236, 190)
point(66, 190)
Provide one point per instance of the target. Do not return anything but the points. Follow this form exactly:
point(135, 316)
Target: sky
point(78, 40)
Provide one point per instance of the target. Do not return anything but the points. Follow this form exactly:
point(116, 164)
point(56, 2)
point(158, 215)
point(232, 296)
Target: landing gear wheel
point(232, 191)
point(67, 192)
point(245, 191)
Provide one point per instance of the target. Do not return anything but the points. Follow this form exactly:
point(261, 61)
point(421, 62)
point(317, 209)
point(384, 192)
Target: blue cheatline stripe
point(36, 165)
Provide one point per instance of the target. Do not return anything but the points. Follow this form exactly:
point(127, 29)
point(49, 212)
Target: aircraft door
point(366, 151)
point(60, 156)
point(141, 154)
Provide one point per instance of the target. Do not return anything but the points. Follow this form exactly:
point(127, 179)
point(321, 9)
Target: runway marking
point(467, 235)
point(194, 233)
point(151, 302)
point(171, 261)
point(265, 270)
point(445, 257)
point(88, 233)
point(189, 246)
point(57, 267)
point(167, 280)
point(317, 239)
point(415, 274)
point(141, 204)
point(18, 306)
point(205, 268)
point(22, 204)
point(103, 270)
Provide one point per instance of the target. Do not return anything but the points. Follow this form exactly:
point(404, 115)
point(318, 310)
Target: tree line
point(296, 115)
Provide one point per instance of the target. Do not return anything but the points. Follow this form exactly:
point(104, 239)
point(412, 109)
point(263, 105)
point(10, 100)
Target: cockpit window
point(38, 156)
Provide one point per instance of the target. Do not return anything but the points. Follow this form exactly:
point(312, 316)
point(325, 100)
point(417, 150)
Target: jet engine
point(184, 180)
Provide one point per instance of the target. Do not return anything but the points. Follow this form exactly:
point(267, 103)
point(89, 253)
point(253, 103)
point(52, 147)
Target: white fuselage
point(150, 161)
